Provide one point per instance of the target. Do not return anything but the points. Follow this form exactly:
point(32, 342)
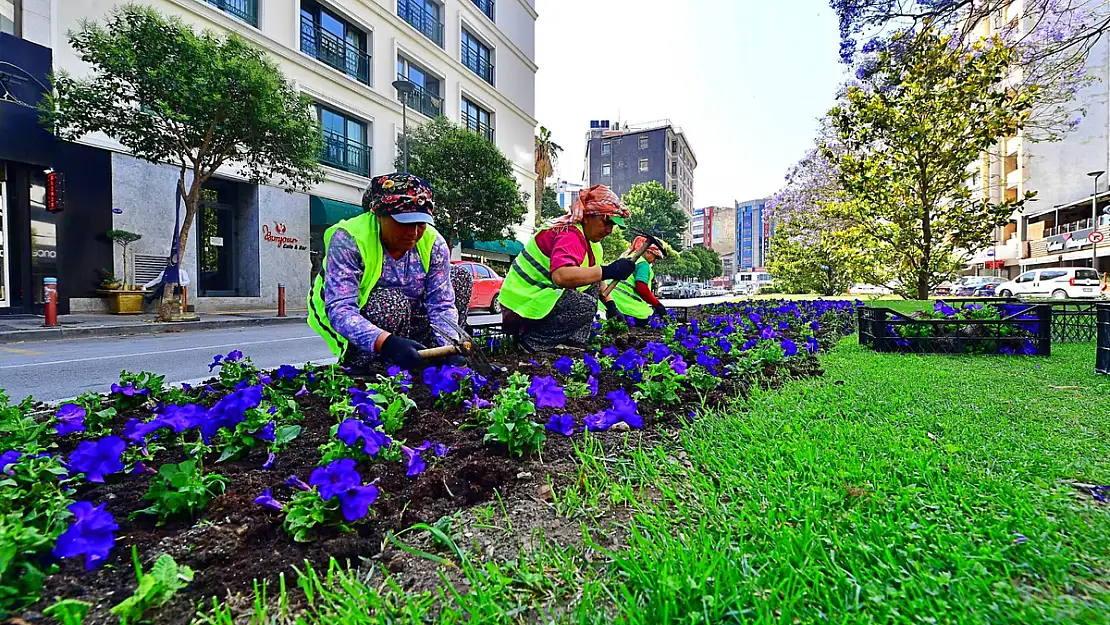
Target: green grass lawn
point(895, 489)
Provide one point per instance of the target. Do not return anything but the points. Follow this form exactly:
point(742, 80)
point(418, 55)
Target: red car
point(487, 286)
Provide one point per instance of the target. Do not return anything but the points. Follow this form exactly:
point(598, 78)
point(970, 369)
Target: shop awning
point(327, 212)
point(510, 246)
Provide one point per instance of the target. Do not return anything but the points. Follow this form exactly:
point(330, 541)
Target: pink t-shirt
point(565, 249)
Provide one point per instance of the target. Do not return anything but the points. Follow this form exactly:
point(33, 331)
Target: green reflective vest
point(367, 234)
point(528, 289)
point(628, 300)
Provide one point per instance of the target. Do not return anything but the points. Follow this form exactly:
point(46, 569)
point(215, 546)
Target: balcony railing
point(1076, 226)
point(346, 154)
point(414, 13)
point(427, 103)
point(331, 50)
point(472, 124)
point(478, 65)
point(486, 7)
point(246, 10)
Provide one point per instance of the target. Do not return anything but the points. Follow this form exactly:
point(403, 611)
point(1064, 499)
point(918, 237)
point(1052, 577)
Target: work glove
point(619, 269)
point(404, 353)
point(456, 360)
point(660, 311)
point(611, 311)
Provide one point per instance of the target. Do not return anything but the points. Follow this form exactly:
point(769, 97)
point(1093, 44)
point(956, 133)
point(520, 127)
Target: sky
point(746, 80)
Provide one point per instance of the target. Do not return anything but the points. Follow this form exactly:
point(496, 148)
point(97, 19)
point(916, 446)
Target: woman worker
point(633, 296)
point(550, 295)
point(387, 288)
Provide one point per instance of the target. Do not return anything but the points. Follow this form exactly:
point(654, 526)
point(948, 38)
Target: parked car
point(487, 286)
point(944, 288)
point(971, 284)
point(1057, 283)
point(990, 289)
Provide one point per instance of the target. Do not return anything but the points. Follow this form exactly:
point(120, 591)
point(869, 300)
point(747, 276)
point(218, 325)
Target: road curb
point(146, 329)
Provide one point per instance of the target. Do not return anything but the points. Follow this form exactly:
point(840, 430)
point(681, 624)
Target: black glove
point(455, 360)
point(660, 311)
point(403, 353)
point(611, 310)
point(619, 269)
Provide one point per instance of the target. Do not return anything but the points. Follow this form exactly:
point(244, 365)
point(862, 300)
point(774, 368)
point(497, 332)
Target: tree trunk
point(167, 307)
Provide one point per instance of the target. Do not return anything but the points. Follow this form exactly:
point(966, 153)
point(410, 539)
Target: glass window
point(476, 56)
point(44, 237)
point(9, 11)
point(1052, 275)
point(1026, 277)
point(643, 164)
point(1086, 274)
point(606, 170)
point(345, 142)
point(477, 119)
point(481, 272)
point(606, 147)
point(643, 143)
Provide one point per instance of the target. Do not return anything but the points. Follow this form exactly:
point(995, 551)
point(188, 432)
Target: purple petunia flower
point(811, 345)
point(266, 500)
point(137, 431)
point(564, 365)
point(140, 468)
point(336, 477)
point(678, 365)
point(215, 362)
point(592, 384)
point(266, 433)
point(92, 534)
point(302, 392)
point(547, 392)
point(610, 352)
point(725, 345)
point(444, 380)
point(415, 465)
point(658, 352)
point(7, 459)
point(297, 483)
point(814, 326)
point(624, 408)
point(129, 390)
point(704, 359)
point(592, 365)
point(230, 411)
point(359, 396)
point(351, 430)
point(790, 348)
point(599, 422)
point(691, 342)
point(561, 423)
point(181, 418)
point(286, 372)
point(97, 459)
point(71, 419)
point(234, 356)
point(440, 450)
point(476, 403)
point(767, 333)
point(355, 502)
point(269, 464)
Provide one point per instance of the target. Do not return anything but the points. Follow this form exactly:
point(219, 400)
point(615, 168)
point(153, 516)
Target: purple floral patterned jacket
point(431, 290)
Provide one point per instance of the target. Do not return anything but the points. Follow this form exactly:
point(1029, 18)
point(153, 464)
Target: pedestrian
point(634, 297)
point(550, 295)
point(387, 288)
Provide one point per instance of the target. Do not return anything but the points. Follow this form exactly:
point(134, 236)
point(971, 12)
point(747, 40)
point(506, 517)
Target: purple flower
point(547, 392)
point(359, 396)
point(630, 362)
point(440, 450)
point(351, 430)
point(592, 384)
point(599, 422)
point(814, 326)
point(609, 352)
point(129, 390)
point(811, 345)
point(266, 433)
point(336, 477)
point(476, 403)
point(355, 502)
point(564, 365)
point(233, 356)
point(71, 419)
point(303, 391)
point(98, 458)
point(658, 352)
point(592, 365)
point(7, 459)
point(286, 372)
point(678, 365)
point(789, 347)
point(137, 431)
point(704, 359)
point(415, 465)
point(140, 468)
point(296, 482)
point(691, 342)
point(92, 534)
point(405, 378)
point(269, 464)
point(215, 362)
point(767, 333)
point(444, 380)
point(561, 423)
point(181, 418)
point(624, 408)
point(266, 500)
point(725, 345)
point(231, 410)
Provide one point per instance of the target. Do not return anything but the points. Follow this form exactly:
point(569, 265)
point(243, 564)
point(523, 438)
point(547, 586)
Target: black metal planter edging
point(1102, 358)
point(1023, 329)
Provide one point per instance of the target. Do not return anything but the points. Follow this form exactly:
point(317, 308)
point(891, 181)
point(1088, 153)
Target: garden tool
point(464, 345)
point(649, 240)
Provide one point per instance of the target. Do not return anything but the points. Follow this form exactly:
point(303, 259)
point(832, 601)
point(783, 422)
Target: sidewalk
point(27, 328)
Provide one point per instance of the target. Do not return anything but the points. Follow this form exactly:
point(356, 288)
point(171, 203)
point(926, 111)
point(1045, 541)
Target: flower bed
point(206, 489)
point(993, 328)
point(1102, 359)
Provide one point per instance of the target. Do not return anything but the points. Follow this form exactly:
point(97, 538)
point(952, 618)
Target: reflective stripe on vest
point(528, 289)
point(366, 232)
point(628, 300)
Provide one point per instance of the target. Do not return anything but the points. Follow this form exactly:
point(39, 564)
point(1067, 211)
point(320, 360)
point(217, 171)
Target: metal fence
point(1022, 329)
point(1102, 359)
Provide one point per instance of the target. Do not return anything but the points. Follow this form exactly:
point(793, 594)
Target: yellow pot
point(122, 302)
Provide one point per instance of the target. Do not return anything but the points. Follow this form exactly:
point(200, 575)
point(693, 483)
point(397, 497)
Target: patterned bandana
point(597, 200)
point(405, 197)
point(652, 249)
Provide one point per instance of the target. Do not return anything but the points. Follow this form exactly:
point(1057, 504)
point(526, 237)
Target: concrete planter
point(122, 302)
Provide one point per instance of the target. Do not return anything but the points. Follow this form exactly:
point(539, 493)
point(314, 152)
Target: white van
point(1057, 283)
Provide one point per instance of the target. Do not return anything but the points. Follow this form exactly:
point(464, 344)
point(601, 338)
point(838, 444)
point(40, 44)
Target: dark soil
point(234, 541)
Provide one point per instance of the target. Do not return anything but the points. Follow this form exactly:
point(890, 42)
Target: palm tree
point(547, 154)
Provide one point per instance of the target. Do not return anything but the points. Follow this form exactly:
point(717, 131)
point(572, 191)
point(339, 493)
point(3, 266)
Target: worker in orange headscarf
point(550, 295)
point(633, 296)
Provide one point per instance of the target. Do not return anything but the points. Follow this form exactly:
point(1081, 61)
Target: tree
point(614, 245)
point(124, 239)
point(550, 208)
point(477, 196)
point(656, 210)
point(198, 101)
point(547, 154)
point(709, 262)
point(910, 134)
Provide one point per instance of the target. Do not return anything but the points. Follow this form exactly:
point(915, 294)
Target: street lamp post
point(404, 87)
point(1094, 219)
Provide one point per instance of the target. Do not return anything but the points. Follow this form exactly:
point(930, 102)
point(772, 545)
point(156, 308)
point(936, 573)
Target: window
point(1052, 275)
point(606, 170)
point(1086, 274)
point(481, 272)
point(426, 97)
point(643, 164)
point(674, 146)
point(674, 168)
point(344, 142)
point(1026, 277)
point(606, 147)
point(674, 188)
point(486, 6)
point(246, 10)
point(9, 17)
point(328, 38)
point(643, 143)
point(476, 56)
point(476, 119)
point(423, 15)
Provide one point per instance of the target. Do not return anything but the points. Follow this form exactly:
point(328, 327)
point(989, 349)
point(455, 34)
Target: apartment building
point(469, 60)
point(620, 156)
point(754, 228)
point(701, 227)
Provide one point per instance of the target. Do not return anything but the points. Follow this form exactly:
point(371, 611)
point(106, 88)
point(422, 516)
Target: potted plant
point(123, 297)
point(109, 281)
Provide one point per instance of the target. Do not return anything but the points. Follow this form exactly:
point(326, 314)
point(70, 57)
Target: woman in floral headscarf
point(550, 295)
point(387, 288)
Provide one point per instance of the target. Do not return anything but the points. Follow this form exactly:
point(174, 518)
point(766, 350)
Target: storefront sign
point(278, 237)
point(1069, 241)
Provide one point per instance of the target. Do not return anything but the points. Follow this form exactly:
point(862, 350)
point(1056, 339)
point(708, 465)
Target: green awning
point(510, 247)
point(326, 212)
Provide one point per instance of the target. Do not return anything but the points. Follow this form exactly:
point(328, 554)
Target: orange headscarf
point(597, 200)
point(653, 248)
